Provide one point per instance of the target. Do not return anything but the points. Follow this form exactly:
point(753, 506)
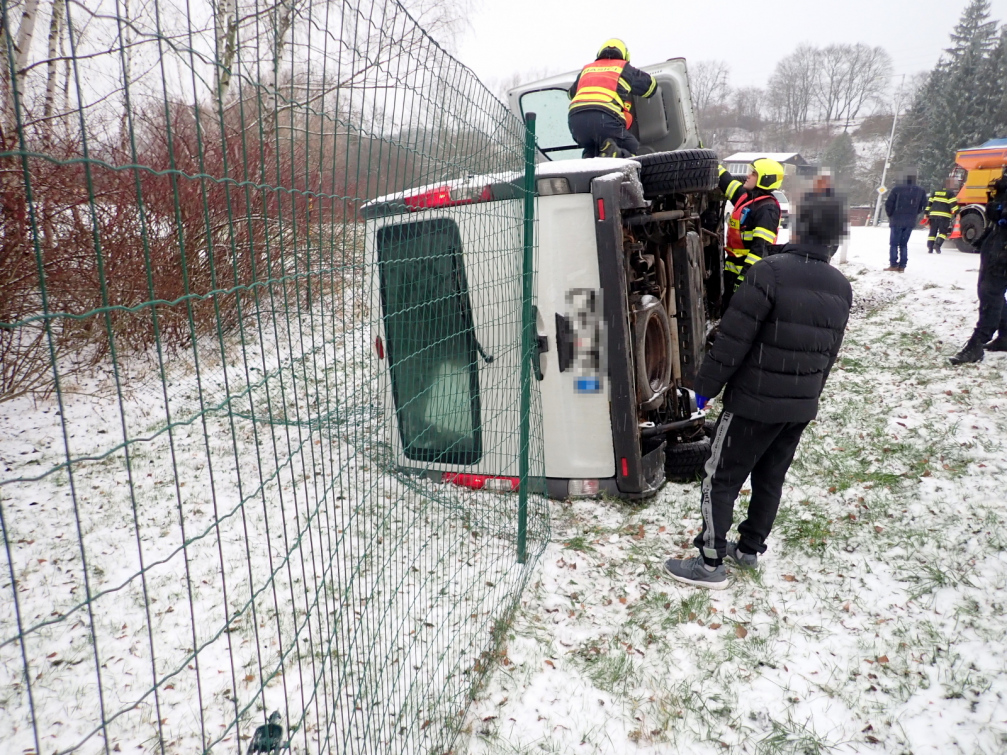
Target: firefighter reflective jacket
point(942, 204)
point(607, 84)
point(753, 226)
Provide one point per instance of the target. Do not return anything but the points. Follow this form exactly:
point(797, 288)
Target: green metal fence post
point(526, 332)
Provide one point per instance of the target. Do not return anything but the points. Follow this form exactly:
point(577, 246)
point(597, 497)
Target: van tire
point(681, 172)
point(652, 352)
point(684, 462)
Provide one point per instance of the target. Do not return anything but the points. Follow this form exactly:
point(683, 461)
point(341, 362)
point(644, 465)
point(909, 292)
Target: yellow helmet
point(770, 173)
point(614, 45)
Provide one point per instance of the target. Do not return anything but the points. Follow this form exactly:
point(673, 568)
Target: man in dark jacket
point(904, 204)
point(992, 280)
point(778, 341)
point(600, 112)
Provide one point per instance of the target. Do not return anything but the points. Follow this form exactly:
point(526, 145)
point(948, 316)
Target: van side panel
point(578, 440)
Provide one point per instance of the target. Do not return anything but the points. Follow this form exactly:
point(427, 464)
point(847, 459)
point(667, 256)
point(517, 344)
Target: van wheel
point(681, 172)
point(684, 462)
point(652, 352)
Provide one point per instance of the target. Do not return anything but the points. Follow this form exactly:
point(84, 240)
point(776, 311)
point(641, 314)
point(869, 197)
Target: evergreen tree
point(962, 102)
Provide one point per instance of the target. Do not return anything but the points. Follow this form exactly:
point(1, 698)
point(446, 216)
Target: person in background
point(939, 212)
point(754, 222)
point(992, 283)
point(904, 204)
point(600, 114)
point(777, 343)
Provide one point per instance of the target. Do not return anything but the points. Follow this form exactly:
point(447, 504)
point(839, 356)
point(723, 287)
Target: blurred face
point(752, 179)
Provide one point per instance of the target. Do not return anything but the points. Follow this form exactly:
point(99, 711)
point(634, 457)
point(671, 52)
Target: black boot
point(930, 248)
point(971, 352)
point(997, 344)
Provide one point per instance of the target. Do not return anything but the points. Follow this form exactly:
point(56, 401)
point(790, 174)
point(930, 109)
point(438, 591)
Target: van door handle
point(564, 342)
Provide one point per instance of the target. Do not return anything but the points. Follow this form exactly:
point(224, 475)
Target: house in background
point(739, 163)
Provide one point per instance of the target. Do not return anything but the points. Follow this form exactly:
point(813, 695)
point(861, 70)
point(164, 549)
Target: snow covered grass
point(233, 542)
point(875, 621)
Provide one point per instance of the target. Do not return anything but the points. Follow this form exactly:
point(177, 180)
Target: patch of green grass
point(610, 668)
point(791, 737)
point(579, 543)
point(811, 530)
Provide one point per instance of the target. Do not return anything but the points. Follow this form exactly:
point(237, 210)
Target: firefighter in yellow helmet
point(600, 109)
point(754, 222)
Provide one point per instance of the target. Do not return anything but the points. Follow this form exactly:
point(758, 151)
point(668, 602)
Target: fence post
point(527, 329)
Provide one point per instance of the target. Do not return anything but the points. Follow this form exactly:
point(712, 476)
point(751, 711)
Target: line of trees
point(962, 102)
point(837, 84)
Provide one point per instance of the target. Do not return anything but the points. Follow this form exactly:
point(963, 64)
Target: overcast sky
point(509, 36)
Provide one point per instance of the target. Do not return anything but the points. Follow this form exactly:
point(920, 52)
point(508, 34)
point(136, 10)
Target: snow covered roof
point(794, 158)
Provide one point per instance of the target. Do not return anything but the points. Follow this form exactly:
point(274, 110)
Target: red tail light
point(482, 482)
point(601, 209)
point(625, 467)
point(446, 196)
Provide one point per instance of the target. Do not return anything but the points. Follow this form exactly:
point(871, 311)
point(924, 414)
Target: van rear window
point(430, 341)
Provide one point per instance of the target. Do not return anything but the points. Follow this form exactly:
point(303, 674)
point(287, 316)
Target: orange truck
point(974, 168)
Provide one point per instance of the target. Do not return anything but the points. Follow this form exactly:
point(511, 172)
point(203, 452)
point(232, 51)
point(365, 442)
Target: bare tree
point(866, 80)
point(831, 77)
point(52, 65)
point(708, 83)
point(12, 81)
point(792, 87)
point(748, 107)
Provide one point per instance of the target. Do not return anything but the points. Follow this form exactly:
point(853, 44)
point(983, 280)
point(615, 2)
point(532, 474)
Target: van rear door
point(663, 122)
point(447, 302)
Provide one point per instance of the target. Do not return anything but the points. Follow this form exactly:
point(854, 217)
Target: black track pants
point(590, 129)
point(742, 447)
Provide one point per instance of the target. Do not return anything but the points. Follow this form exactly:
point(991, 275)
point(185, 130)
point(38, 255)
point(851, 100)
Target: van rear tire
point(684, 462)
point(681, 172)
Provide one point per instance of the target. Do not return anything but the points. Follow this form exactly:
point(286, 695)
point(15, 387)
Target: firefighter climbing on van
point(754, 222)
point(599, 114)
point(940, 210)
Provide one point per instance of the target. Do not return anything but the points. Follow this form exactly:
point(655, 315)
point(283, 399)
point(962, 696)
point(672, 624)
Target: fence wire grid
point(245, 351)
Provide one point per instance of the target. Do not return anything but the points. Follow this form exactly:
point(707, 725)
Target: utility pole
point(888, 157)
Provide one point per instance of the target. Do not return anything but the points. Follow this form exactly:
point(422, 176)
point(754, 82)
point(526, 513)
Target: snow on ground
point(876, 620)
point(252, 553)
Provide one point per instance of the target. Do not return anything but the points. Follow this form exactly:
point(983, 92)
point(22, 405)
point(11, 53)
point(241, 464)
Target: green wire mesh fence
point(264, 296)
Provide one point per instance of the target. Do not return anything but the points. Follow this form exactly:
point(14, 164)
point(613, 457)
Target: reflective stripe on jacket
point(741, 235)
point(607, 84)
point(942, 204)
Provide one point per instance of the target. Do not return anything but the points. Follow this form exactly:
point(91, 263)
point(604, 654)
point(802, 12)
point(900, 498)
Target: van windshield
point(551, 130)
point(430, 341)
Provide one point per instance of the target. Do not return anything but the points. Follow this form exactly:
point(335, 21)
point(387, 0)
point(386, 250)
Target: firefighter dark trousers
point(992, 307)
point(938, 233)
point(591, 128)
point(743, 447)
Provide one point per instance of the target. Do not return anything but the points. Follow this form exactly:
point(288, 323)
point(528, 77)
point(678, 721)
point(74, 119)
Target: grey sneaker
point(693, 571)
point(742, 559)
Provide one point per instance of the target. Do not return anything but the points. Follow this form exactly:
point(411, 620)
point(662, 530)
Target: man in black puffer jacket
point(777, 343)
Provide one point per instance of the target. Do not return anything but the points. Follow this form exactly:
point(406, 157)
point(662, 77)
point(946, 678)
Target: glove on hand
point(701, 402)
point(1002, 222)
